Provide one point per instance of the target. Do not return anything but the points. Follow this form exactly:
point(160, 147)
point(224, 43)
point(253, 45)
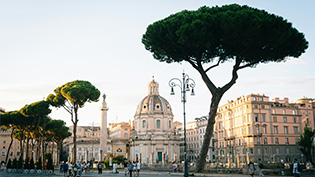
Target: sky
point(47, 43)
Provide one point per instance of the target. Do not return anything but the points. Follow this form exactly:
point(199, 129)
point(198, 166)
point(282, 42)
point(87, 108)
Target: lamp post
point(185, 84)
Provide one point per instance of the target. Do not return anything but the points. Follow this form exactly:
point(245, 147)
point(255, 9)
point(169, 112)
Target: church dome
point(153, 103)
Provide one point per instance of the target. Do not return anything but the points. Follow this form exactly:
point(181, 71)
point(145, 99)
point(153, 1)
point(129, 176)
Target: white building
point(153, 139)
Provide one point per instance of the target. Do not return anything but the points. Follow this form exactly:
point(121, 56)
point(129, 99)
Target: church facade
point(153, 139)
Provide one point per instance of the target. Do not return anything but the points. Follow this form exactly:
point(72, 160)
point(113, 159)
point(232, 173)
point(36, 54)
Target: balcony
point(229, 138)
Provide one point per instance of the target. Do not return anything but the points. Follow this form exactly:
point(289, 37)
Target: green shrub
point(32, 166)
point(9, 165)
point(14, 165)
point(26, 164)
point(20, 163)
point(119, 159)
point(50, 165)
point(39, 163)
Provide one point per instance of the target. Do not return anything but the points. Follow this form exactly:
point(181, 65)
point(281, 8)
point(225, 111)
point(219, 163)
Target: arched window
point(143, 124)
point(158, 124)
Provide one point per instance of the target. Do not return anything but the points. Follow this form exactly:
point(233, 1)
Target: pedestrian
point(60, 168)
point(130, 168)
point(65, 168)
point(99, 167)
point(138, 168)
point(296, 171)
point(75, 170)
point(174, 166)
point(126, 167)
point(79, 169)
point(259, 167)
point(251, 168)
point(44, 167)
point(70, 169)
point(134, 168)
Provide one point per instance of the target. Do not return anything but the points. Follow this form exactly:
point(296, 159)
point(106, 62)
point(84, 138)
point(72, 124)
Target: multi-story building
point(253, 127)
point(88, 141)
point(202, 123)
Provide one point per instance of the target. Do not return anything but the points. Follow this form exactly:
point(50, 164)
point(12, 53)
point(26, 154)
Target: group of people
point(296, 168)
point(75, 169)
point(132, 168)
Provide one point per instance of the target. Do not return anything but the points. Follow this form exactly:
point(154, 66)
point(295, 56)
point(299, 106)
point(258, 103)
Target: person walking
point(251, 168)
point(70, 169)
point(174, 166)
point(99, 167)
point(260, 166)
point(65, 168)
point(130, 168)
point(75, 170)
point(138, 168)
point(296, 171)
point(126, 167)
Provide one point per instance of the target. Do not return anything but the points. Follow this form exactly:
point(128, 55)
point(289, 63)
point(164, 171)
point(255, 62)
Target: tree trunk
point(21, 143)
point(209, 131)
point(27, 143)
point(74, 150)
point(6, 157)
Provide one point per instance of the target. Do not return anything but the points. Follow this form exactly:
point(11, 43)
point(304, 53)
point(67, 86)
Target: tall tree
point(244, 35)
point(8, 123)
point(72, 96)
point(59, 131)
point(39, 111)
point(306, 141)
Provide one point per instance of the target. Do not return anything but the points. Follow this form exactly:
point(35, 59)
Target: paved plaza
point(121, 174)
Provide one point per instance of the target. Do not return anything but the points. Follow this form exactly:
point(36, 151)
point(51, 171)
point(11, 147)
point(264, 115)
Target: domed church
point(153, 139)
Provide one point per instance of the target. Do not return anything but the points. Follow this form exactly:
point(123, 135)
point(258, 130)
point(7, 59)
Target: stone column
point(103, 136)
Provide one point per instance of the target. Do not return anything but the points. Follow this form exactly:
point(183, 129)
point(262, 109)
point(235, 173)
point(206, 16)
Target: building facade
point(253, 127)
point(153, 139)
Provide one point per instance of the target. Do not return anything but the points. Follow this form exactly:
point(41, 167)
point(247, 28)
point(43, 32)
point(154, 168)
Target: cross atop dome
point(153, 87)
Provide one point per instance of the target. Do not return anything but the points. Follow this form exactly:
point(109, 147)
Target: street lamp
point(185, 84)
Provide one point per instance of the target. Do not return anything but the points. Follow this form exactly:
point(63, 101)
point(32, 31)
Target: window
point(158, 124)
point(286, 130)
point(254, 98)
point(277, 151)
point(274, 119)
point(296, 140)
point(264, 117)
point(79, 149)
point(3, 153)
point(294, 119)
point(3, 147)
point(285, 119)
point(4, 141)
point(256, 118)
point(275, 129)
point(296, 130)
point(258, 151)
point(261, 99)
point(11, 153)
point(283, 111)
point(287, 150)
point(257, 130)
point(293, 112)
point(306, 113)
point(265, 129)
point(143, 124)
point(17, 153)
point(170, 124)
point(277, 141)
point(258, 140)
point(79, 130)
point(265, 141)
point(126, 135)
point(287, 141)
